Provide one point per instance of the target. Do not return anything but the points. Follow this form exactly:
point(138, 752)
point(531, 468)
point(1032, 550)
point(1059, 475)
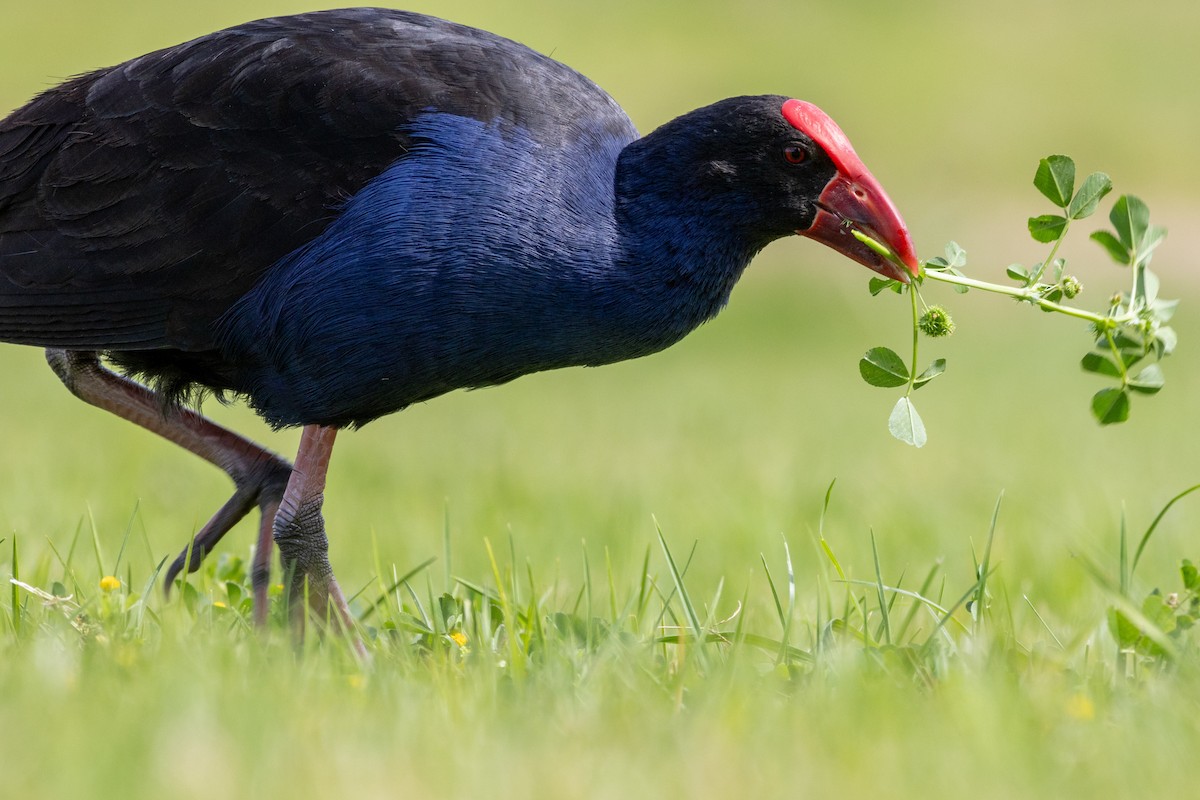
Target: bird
point(335, 215)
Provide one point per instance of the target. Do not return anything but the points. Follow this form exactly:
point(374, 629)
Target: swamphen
point(338, 214)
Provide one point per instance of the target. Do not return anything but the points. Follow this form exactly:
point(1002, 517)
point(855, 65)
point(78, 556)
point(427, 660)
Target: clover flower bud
point(936, 322)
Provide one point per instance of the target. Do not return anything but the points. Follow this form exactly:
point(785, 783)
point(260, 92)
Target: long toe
point(299, 531)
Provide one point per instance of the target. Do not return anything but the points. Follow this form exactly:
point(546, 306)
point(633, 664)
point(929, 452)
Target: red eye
point(794, 154)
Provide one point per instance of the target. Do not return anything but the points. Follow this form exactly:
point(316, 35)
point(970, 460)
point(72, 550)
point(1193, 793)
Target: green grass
point(592, 681)
point(548, 494)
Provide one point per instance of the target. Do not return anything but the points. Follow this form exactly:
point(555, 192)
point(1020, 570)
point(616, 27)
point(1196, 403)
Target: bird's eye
point(794, 154)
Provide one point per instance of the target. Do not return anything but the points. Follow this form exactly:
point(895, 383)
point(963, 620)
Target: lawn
point(549, 650)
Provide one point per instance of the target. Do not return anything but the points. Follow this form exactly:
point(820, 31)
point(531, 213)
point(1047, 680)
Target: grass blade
point(612, 587)
point(884, 607)
point(96, 545)
point(774, 594)
point(16, 595)
point(912, 611)
point(1033, 608)
point(446, 569)
point(1149, 532)
point(395, 585)
point(1124, 575)
point(125, 537)
point(764, 643)
point(587, 598)
point(689, 610)
point(986, 566)
point(644, 582)
point(972, 591)
point(893, 590)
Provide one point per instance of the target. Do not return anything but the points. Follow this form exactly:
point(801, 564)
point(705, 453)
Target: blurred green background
point(731, 437)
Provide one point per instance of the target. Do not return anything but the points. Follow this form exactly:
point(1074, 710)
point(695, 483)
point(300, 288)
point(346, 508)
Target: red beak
point(853, 199)
point(859, 202)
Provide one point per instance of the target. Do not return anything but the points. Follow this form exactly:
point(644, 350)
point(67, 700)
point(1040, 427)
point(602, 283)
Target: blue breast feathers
point(480, 256)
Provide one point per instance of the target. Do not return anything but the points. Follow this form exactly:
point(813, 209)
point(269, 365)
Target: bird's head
point(775, 167)
point(851, 198)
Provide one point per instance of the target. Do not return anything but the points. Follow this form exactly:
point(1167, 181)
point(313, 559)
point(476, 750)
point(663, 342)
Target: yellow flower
point(459, 638)
point(1080, 706)
point(109, 583)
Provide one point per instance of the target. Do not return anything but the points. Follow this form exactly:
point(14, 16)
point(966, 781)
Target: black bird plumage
point(337, 214)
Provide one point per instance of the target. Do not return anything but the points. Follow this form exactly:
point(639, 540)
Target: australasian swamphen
point(338, 214)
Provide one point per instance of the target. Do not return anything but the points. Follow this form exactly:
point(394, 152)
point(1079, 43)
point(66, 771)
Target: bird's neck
point(679, 251)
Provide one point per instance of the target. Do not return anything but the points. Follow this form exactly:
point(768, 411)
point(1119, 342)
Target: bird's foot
point(260, 476)
point(299, 531)
point(261, 479)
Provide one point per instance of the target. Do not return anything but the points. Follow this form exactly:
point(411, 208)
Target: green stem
point(912, 371)
point(1027, 294)
point(1053, 252)
point(1030, 296)
point(1116, 352)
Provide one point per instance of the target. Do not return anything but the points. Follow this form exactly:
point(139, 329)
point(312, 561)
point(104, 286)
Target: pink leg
point(300, 534)
point(260, 575)
point(259, 475)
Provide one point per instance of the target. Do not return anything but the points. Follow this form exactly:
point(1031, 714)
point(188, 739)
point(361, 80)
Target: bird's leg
point(259, 475)
point(260, 567)
point(300, 534)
